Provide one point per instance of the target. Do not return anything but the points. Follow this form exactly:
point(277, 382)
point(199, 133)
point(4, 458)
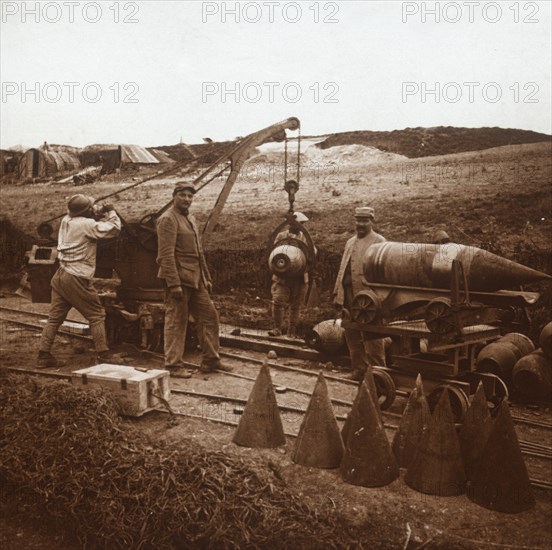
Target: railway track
point(192, 399)
point(517, 418)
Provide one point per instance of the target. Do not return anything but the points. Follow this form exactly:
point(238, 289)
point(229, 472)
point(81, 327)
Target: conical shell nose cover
point(475, 431)
point(319, 442)
point(414, 423)
point(437, 468)
point(368, 460)
point(260, 425)
point(501, 481)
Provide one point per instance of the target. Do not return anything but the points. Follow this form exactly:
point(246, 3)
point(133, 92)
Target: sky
point(158, 72)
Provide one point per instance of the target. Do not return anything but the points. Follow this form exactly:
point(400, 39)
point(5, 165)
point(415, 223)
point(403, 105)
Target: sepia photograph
point(275, 275)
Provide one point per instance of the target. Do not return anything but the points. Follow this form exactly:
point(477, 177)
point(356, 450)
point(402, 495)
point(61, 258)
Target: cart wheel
point(365, 307)
point(385, 387)
point(439, 317)
point(498, 392)
point(459, 401)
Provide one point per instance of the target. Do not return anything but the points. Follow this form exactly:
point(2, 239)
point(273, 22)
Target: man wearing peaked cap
point(441, 237)
point(349, 282)
point(184, 185)
point(187, 281)
point(364, 212)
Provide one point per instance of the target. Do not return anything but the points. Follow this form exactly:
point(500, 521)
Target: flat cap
point(441, 237)
point(363, 212)
point(182, 186)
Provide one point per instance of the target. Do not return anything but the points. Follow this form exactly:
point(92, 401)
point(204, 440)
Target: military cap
point(441, 237)
point(300, 217)
point(363, 212)
point(182, 186)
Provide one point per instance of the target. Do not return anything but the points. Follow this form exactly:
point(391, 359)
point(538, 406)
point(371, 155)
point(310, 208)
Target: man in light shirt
point(350, 280)
point(72, 284)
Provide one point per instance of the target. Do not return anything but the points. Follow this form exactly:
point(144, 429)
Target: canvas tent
point(9, 161)
point(48, 162)
point(111, 157)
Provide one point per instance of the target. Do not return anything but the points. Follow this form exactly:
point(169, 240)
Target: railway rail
point(517, 418)
point(533, 450)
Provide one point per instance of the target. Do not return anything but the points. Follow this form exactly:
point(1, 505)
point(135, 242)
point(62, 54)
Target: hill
point(440, 140)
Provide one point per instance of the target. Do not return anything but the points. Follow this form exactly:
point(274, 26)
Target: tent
point(48, 162)
point(111, 157)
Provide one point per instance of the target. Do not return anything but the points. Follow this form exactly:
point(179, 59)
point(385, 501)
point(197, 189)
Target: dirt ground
point(396, 512)
point(498, 198)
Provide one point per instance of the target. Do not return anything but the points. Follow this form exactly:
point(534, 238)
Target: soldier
point(363, 353)
point(72, 283)
point(288, 291)
point(187, 282)
point(441, 237)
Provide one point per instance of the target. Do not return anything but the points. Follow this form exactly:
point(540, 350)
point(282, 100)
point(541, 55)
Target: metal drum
point(327, 337)
point(498, 358)
point(532, 375)
point(501, 356)
point(287, 261)
point(523, 343)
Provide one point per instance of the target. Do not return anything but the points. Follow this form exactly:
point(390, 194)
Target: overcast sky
point(155, 72)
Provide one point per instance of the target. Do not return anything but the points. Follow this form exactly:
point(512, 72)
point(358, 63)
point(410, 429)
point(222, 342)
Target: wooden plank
point(254, 344)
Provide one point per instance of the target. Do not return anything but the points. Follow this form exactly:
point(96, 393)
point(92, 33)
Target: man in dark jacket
point(184, 270)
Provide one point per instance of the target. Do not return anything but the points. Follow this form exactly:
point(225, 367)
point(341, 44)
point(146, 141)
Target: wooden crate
point(135, 389)
point(71, 326)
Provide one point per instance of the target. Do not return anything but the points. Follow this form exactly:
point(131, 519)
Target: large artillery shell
point(287, 260)
point(430, 266)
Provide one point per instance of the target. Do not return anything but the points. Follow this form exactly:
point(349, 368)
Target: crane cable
point(292, 186)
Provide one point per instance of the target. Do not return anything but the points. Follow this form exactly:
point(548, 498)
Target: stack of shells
point(532, 374)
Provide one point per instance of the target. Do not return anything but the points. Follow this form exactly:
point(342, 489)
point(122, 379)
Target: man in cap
point(187, 281)
point(363, 353)
point(72, 284)
point(441, 237)
point(289, 291)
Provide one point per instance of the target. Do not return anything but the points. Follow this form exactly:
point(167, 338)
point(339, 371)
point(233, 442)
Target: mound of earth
point(439, 140)
point(312, 153)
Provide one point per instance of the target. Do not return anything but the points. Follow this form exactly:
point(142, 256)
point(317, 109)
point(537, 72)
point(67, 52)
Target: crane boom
point(237, 157)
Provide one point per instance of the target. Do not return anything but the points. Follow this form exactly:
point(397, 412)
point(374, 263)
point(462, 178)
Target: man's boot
point(97, 331)
point(356, 375)
point(278, 316)
point(110, 357)
point(212, 367)
point(292, 331)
